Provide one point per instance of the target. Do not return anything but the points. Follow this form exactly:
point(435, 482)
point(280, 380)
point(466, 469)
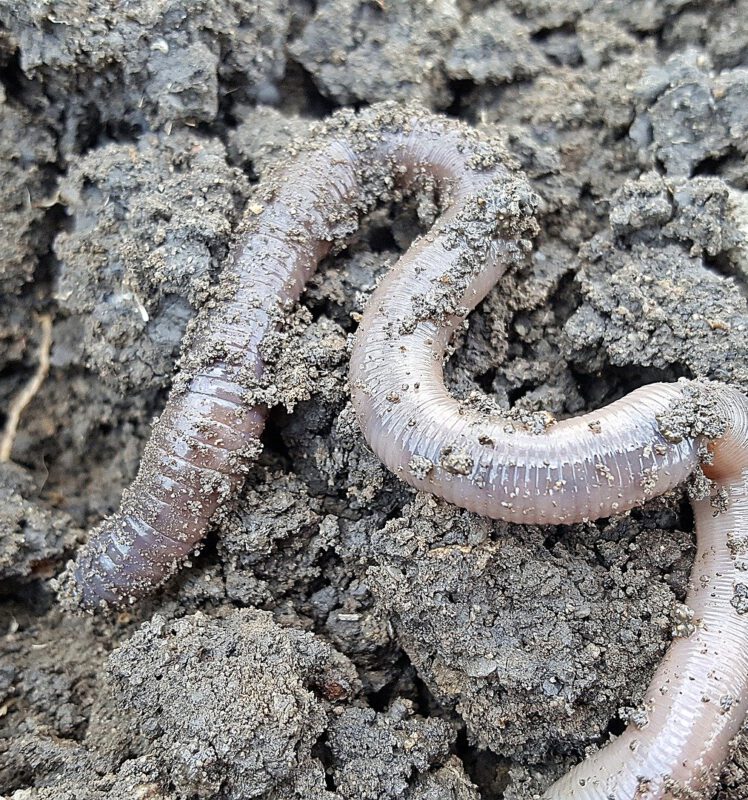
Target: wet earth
point(341, 637)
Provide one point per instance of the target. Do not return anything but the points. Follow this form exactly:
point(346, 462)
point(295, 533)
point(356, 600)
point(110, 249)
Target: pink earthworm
point(578, 469)
point(208, 433)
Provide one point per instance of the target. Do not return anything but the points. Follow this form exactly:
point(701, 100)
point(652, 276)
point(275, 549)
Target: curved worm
point(698, 698)
point(578, 469)
point(209, 431)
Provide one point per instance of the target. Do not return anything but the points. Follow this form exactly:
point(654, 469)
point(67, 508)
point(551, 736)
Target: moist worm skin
point(698, 698)
point(578, 469)
point(208, 434)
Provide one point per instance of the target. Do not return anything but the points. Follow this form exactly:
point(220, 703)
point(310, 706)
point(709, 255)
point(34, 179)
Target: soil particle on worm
point(466, 659)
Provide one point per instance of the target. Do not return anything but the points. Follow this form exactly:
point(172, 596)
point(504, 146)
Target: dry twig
point(24, 397)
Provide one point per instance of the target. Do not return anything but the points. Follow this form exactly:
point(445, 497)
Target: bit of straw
point(24, 397)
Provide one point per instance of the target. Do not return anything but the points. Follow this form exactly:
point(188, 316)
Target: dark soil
point(342, 638)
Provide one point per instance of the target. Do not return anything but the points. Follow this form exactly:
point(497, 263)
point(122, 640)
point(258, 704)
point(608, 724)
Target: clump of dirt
point(32, 537)
point(249, 671)
point(394, 647)
point(344, 38)
point(151, 65)
point(653, 286)
point(27, 155)
point(135, 264)
point(533, 644)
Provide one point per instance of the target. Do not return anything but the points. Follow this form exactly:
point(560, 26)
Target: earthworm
point(208, 433)
point(579, 469)
point(697, 700)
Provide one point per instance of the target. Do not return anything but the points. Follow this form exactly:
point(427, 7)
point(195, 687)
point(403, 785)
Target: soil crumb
point(340, 637)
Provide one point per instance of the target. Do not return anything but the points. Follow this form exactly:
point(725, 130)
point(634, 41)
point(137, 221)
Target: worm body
point(697, 700)
point(583, 468)
point(209, 431)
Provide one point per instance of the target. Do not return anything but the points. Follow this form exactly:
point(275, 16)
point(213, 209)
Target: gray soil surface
point(340, 637)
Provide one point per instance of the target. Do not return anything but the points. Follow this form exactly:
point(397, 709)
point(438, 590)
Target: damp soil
point(341, 637)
